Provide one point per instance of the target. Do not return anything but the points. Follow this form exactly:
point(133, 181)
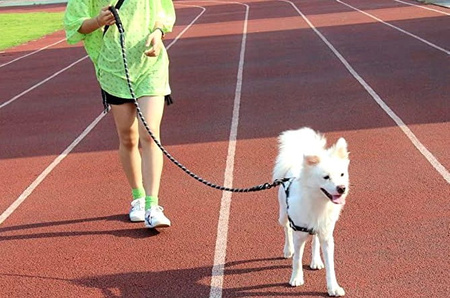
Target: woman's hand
point(105, 17)
point(155, 41)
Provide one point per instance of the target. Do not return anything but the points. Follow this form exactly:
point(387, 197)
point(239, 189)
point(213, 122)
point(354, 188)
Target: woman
point(145, 24)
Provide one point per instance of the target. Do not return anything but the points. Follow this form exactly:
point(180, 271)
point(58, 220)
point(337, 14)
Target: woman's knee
point(129, 139)
point(146, 139)
point(126, 125)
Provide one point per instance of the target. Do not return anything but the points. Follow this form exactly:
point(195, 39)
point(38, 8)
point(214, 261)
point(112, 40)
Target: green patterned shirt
point(149, 75)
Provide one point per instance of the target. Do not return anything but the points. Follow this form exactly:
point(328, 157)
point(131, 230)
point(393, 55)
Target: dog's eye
point(326, 177)
point(342, 174)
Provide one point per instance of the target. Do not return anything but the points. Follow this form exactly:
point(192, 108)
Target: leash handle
point(113, 10)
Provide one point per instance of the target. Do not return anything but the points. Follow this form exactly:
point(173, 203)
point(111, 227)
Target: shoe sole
point(157, 226)
point(137, 218)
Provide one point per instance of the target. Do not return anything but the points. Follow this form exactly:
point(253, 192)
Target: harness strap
point(291, 222)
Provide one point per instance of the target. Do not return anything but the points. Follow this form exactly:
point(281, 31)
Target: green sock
point(138, 193)
point(150, 201)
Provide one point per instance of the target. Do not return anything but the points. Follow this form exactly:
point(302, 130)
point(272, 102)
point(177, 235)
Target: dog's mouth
point(336, 199)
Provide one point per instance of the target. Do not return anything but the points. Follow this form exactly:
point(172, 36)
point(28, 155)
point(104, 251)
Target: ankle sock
point(138, 193)
point(150, 201)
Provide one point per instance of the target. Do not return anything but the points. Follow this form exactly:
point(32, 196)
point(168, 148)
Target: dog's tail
point(293, 146)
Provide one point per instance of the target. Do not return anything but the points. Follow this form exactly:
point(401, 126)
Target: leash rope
point(259, 187)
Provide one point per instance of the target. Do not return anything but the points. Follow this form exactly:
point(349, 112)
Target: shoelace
point(137, 204)
point(155, 210)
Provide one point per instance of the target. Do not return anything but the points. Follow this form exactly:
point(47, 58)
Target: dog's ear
point(311, 160)
point(340, 149)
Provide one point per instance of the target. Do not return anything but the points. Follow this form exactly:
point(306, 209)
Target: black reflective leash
point(263, 186)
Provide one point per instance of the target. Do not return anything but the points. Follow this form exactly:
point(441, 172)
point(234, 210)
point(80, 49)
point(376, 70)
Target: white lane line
point(217, 274)
point(218, 268)
point(189, 26)
point(422, 149)
point(32, 53)
point(40, 83)
point(63, 155)
point(397, 28)
point(48, 170)
point(423, 7)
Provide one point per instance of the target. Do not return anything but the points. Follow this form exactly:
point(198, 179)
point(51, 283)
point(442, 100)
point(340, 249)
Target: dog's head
point(327, 172)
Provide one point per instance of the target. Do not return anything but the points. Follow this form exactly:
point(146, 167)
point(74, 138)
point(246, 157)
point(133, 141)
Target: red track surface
point(71, 236)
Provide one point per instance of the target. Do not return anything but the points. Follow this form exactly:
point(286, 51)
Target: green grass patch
point(19, 28)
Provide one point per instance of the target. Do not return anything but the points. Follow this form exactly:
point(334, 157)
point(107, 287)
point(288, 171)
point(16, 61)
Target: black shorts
point(109, 99)
point(114, 100)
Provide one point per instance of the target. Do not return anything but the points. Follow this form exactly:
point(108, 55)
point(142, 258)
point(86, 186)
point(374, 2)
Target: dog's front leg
point(288, 250)
point(316, 260)
point(334, 289)
point(297, 270)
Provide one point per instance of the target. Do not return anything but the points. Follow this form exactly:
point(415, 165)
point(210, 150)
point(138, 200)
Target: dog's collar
point(293, 226)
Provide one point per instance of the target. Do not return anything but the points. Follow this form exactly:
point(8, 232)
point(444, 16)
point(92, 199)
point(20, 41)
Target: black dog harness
point(286, 186)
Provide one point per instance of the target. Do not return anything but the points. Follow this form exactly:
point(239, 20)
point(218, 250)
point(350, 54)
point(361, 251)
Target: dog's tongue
point(338, 199)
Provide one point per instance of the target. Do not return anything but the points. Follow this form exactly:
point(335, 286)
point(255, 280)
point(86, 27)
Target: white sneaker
point(137, 211)
point(155, 218)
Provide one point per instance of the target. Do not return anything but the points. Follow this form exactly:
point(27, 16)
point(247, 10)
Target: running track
point(375, 72)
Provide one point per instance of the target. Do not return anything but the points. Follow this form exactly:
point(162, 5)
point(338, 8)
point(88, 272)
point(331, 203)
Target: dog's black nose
point(340, 189)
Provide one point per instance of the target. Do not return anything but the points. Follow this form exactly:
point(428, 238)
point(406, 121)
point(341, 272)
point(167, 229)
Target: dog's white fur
point(303, 155)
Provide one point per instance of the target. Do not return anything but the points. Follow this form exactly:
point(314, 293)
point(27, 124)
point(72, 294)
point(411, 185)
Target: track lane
point(428, 86)
point(36, 136)
point(32, 71)
point(409, 96)
point(76, 228)
point(253, 248)
point(9, 58)
point(393, 16)
point(384, 212)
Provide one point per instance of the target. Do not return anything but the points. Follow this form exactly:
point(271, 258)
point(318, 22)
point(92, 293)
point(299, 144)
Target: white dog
point(311, 202)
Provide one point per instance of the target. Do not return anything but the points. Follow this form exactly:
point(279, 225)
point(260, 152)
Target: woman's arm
point(105, 17)
point(154, 41)
point(159, 26)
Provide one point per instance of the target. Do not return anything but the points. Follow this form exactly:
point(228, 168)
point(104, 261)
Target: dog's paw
point(316, 264)
point(296, 281)
point(336, 291)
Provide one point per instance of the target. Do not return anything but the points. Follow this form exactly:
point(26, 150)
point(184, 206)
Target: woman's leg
point(152, 108)
point(127, 130)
